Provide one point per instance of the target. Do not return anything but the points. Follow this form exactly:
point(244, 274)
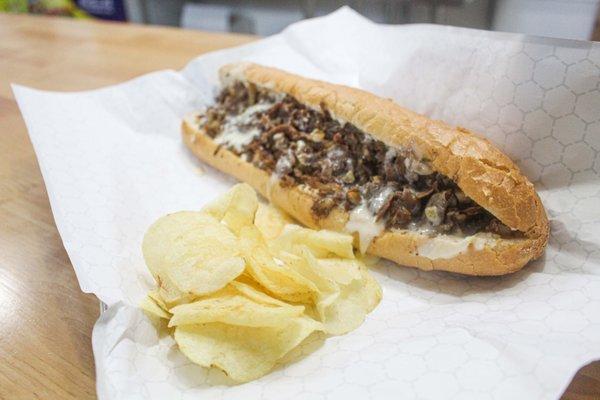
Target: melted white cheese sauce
point(451, 246)
point(233, 135)
point(362, 221)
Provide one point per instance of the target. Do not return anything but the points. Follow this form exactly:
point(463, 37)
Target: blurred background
point(573, 19)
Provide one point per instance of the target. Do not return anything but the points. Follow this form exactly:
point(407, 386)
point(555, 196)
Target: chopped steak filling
point(346, 167)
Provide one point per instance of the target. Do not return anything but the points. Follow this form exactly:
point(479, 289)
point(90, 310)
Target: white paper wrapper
point(113, 162)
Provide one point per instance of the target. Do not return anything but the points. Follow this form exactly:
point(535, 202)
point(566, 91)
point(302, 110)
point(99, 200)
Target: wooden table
point(45, 320)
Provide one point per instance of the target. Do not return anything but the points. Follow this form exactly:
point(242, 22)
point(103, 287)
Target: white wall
point(571, 19)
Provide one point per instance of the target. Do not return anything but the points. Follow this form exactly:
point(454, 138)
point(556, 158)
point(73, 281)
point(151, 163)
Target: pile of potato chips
point(242, 285)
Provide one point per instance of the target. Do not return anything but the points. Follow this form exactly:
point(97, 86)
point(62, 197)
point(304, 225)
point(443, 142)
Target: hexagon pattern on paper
point(113, 162)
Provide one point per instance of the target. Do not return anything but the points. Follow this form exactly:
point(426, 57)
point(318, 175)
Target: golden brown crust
point(482, 171)
point(504, 256)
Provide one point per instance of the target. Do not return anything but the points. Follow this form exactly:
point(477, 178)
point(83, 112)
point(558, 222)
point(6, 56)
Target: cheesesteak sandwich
point(412, 190)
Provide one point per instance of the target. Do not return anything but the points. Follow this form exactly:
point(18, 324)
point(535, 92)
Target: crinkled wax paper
point(113, 162)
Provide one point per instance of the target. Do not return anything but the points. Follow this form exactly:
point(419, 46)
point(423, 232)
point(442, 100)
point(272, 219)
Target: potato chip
point(250, 291)
point(188, 243)
point(185, 235)
point(371, 288)
point(346, 310)
point(286, 244)
point(169, 292)
point(343, 311)
point(241, 209)
point(218, 207)
point(243, 353)
point(235, 309)
point(280, 280)
point(150, 306)
point(155, 295)
point(345, 296)
point(270, 221)
point(200, 279)
point(340, 270)
point(240, 304)
point(306, 264)
point(320, 242)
